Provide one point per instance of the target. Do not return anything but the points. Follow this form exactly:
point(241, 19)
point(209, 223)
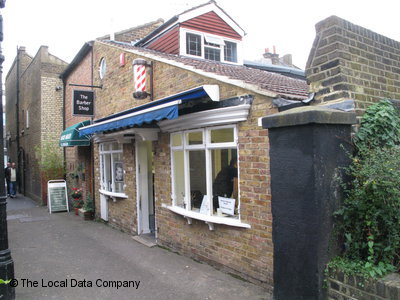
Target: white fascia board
point(207, 8)
point(214, 117)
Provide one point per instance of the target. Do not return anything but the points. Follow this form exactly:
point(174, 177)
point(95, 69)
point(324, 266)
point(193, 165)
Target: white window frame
point(207, 146)
point(103, 183)
point(102, 67)
point(205, 36)
point(27, 118)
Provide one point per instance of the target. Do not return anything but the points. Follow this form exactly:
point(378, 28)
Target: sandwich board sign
point(57, 195)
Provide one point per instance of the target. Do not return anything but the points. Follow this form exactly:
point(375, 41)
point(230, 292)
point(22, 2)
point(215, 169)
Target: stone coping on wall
point(342, 286)
point(308, 115)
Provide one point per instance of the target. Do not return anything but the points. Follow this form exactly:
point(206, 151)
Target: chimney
point(272, 56)
point(287, 59)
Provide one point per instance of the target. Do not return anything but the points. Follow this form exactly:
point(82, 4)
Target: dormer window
point(209, 47)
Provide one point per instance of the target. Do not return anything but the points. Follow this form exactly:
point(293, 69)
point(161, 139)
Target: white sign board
point(205, 206)
point(57, 195)
point(227, 205)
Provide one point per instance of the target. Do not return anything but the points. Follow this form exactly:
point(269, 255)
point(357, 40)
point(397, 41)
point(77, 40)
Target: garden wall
point(342, 286)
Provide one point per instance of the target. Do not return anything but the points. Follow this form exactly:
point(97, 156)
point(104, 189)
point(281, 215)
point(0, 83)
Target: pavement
point(61, 256)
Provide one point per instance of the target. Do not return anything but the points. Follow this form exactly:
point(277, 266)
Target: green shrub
point(89, 203)
point(379, 127)
point(50, 160)
point(370, 216)
point(369, 220)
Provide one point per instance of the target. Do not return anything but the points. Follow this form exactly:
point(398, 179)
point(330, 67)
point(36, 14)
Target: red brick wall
point(78, 159)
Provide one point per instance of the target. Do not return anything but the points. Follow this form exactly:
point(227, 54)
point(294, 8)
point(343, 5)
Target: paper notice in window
point(205, 206)
point(227, 205)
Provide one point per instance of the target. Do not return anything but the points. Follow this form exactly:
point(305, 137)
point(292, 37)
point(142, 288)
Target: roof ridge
point(159, 20)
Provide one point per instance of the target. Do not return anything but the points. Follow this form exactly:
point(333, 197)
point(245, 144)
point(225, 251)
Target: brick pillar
point(305, 154)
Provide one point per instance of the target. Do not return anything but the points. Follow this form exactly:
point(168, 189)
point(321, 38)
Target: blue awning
point(170, 112)
point(165, 108)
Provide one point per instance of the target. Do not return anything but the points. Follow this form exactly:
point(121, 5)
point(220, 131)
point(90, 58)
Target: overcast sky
point(65, 25)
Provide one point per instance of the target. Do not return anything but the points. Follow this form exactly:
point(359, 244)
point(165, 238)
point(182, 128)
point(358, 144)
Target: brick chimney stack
point(274, 57)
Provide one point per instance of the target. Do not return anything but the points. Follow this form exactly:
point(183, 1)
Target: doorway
point(145, 187)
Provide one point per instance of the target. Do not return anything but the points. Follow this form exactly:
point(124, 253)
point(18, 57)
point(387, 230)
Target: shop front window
point(205, 173)
point(112, 167)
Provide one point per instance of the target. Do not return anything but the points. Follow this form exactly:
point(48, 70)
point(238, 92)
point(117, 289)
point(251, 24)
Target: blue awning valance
point(169, 112)
point(162, 109)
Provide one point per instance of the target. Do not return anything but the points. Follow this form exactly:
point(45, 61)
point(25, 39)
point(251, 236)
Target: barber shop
point(180, 159)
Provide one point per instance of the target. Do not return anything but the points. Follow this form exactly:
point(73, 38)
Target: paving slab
point(61, 256)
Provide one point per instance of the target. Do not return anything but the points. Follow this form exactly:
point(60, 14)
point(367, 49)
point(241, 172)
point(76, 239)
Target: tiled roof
point(273, 84)
point(134, 33)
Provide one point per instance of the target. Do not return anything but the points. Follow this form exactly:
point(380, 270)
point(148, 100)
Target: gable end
point(212, 23)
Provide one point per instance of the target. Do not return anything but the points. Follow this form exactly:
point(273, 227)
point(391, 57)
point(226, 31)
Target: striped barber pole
point(139, 73)
point(139, 76)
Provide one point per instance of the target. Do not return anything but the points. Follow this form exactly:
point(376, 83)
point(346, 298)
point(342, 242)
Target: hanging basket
point(76, 195)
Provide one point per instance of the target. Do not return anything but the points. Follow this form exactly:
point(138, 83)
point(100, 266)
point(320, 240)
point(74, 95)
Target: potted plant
point(88, 208)
point(77, 204)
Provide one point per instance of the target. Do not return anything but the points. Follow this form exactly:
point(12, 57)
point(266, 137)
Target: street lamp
point(6, 262)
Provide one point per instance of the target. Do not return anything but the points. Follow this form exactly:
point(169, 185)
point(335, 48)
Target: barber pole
point(140, 76)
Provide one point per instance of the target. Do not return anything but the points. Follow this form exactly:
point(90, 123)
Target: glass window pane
point(179, 178)
point(198, 186)
point(224, 135)
point(212, 54)
point(118, 172)
point(193, 44)
point(116, 146)
point(195, 138)
point(176, 140)
point(107, 172)
point(225, 175)
point(103, 179)
point(230, 51)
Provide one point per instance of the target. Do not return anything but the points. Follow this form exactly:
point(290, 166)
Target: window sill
point(114, 196)
point(209, 220)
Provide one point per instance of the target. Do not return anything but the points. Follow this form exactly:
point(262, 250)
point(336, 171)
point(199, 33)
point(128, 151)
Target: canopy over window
point(162, 109)
point(70, 136)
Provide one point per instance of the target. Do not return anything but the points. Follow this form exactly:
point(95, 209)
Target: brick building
point(157, 158)
point(21, 62)
point(348, 61)
point(34, 98)
point(78, 76)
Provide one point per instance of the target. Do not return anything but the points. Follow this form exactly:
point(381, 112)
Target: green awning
point(70, 136)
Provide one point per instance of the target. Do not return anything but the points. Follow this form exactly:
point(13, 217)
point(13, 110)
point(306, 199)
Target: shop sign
point(83, 103)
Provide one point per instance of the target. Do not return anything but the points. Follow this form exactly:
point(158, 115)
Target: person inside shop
point(7, 176)
point(226, 183)
point(13, 181)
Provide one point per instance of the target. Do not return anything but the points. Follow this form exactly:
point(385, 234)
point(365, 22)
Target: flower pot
point(76, 211)
point(88, 215)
